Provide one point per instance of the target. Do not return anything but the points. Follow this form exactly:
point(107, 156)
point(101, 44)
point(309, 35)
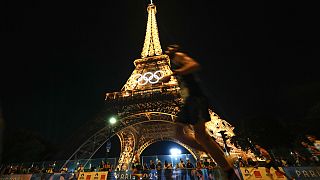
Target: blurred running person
point(270, 161)
point(194, 113)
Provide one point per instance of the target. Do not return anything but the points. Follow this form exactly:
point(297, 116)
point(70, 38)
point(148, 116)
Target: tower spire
point(151, 46)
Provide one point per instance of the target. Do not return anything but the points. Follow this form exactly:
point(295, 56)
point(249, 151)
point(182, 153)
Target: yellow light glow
point(151, 45)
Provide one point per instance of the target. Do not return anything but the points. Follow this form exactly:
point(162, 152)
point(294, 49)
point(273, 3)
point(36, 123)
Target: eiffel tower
point(146, 109)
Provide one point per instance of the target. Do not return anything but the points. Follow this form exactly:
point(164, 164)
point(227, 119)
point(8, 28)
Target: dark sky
point(258, 58)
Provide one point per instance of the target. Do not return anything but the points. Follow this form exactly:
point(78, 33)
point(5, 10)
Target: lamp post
point(108, 147)
point(112, 121)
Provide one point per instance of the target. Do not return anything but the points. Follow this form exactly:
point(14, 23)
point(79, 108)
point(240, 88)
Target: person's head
point(257, 146)
point(188, 160)
point(304, 144)
point(311, 138)
point(173, 47)
point(171, 50)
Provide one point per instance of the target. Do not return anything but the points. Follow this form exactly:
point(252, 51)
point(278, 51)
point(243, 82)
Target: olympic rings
point(148, 77)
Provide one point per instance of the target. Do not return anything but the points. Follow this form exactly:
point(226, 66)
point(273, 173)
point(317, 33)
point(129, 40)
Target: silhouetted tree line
point(23, 145)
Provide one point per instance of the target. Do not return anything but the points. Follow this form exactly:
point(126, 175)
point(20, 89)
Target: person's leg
point(281, 172)
point(185, 135)
point(214, 150)
point(210, 146)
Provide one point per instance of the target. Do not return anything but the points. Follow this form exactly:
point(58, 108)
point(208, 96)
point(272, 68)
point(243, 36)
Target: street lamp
point(112, 120)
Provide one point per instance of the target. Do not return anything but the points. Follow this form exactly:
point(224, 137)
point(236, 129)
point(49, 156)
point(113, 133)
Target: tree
point(23, 145)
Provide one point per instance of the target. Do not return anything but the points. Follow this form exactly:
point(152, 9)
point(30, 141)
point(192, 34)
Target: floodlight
point(175, 151)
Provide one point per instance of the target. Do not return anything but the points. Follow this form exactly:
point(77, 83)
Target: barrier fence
point(299, 173)
point(89, 164)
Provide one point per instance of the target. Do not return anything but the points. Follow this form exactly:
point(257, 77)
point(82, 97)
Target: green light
point(112, 120)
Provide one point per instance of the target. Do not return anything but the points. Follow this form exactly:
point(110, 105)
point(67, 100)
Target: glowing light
point(148, 77)
point(175, 151)
point(151, 44)
point(112, 120)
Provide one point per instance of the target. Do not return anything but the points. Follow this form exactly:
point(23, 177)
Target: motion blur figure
point(270, 161)
point(194, 113)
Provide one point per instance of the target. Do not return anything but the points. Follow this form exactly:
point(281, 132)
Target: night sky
point(59, 58)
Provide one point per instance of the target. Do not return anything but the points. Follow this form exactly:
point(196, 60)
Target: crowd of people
point(305, 153)
point(308, 154)
point(52, 168)
point(184, 168)
point(103, 166)
point(22, 169)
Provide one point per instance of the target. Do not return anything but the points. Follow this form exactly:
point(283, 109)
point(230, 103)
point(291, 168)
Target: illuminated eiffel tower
point(146, 109)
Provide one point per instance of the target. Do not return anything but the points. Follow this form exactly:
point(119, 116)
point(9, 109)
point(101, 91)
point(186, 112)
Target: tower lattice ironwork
point(146, 109)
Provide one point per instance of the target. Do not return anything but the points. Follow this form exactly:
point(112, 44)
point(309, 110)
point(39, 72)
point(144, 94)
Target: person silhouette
point(194, 113)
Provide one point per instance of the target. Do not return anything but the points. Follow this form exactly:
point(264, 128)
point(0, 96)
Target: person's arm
point(188, 65)
point(265, 153)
